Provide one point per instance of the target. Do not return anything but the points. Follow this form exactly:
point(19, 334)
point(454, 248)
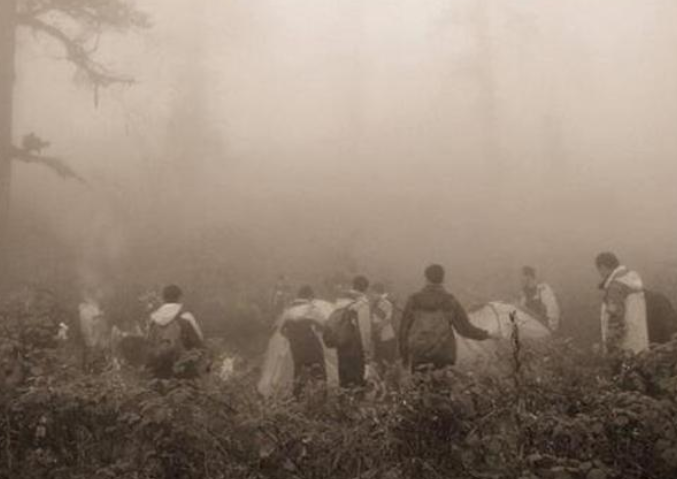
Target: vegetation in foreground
point(552, 412)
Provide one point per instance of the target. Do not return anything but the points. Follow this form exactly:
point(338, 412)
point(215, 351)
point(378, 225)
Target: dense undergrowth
point(549, 412)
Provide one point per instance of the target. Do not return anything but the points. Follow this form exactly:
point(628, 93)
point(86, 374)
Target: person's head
point(360, 284)
point(606, 264)
point(306, 292)
point(172, 294)
point(434, 274)
point(379, 288)
point(528, 277)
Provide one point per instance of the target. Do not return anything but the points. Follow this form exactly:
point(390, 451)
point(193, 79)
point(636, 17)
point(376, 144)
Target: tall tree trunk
point(491, 150)
point(7, 55)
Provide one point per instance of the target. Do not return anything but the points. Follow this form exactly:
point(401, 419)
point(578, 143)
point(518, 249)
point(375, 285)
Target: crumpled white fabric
point(278, 367)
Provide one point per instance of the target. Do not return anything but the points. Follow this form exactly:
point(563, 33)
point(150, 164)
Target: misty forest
point(353, 239)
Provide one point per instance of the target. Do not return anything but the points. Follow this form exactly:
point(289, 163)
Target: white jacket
point(547, 296)
point(624, 290)
point(382, 318)
point(168, 311)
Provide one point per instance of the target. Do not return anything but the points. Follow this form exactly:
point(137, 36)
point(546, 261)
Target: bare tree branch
point(76, 53)
point(57, 165)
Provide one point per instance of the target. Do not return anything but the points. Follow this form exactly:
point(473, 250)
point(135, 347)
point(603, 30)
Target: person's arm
point(405, 326)
point(462, 324)
point(615, 307)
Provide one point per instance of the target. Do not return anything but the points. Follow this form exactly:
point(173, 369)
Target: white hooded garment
point(636, 337)
point(166, 313)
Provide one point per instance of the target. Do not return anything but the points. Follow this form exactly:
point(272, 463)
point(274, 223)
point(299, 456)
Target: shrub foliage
point(548, 412)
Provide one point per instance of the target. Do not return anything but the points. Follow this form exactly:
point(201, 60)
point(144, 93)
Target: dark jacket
point(436, 298)
point(305, 345)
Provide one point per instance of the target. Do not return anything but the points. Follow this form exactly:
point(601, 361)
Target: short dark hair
point(529, 271)
point(306, 292)
point(435, 274)
point(379, 288)
point(360, 283)
point(608, 260)
point(171, 294)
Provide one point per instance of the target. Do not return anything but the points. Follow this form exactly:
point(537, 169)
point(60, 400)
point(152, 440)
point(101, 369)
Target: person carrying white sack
point(623, 317)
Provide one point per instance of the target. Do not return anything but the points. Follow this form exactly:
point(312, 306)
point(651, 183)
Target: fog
point(314, 136)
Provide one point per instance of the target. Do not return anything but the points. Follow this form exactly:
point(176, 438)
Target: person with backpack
point(539, 299)
point(349, 330)
point(301, 324)
point(429, 322)
point(172, 332)
point(624, 312)
point(385, 340)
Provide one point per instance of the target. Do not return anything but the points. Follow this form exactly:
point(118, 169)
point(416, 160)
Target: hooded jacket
point(435, 297)
point(623, 317)
point(166, 313)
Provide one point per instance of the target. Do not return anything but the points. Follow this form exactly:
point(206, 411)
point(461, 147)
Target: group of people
point(369, 335)
point(169, 331)
point(362, 330)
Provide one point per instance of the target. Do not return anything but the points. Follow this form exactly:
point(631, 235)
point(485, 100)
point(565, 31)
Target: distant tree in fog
point(76, 26)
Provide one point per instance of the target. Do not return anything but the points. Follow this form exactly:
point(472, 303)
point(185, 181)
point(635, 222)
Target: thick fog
point(315, 136)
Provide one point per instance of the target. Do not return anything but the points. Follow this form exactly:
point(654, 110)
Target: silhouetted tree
point(76, 25)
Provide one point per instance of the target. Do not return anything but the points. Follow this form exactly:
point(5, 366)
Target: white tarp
point(278, 367)
point(495, 318)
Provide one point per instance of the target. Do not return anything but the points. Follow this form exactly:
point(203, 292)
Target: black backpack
point(189, 337)
point(661, 317)
point(341, 328)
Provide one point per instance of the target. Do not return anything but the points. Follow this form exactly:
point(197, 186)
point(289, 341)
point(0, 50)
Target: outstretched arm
point(462, 324)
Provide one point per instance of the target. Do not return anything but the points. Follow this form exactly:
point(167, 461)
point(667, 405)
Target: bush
point(553, 412)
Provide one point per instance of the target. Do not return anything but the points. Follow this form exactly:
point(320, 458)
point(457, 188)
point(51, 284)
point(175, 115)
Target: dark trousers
point(308, 373)
point(385, 353)
point(351, 370)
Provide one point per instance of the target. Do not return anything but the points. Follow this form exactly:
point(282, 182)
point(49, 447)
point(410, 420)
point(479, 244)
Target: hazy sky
point(464, 131)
